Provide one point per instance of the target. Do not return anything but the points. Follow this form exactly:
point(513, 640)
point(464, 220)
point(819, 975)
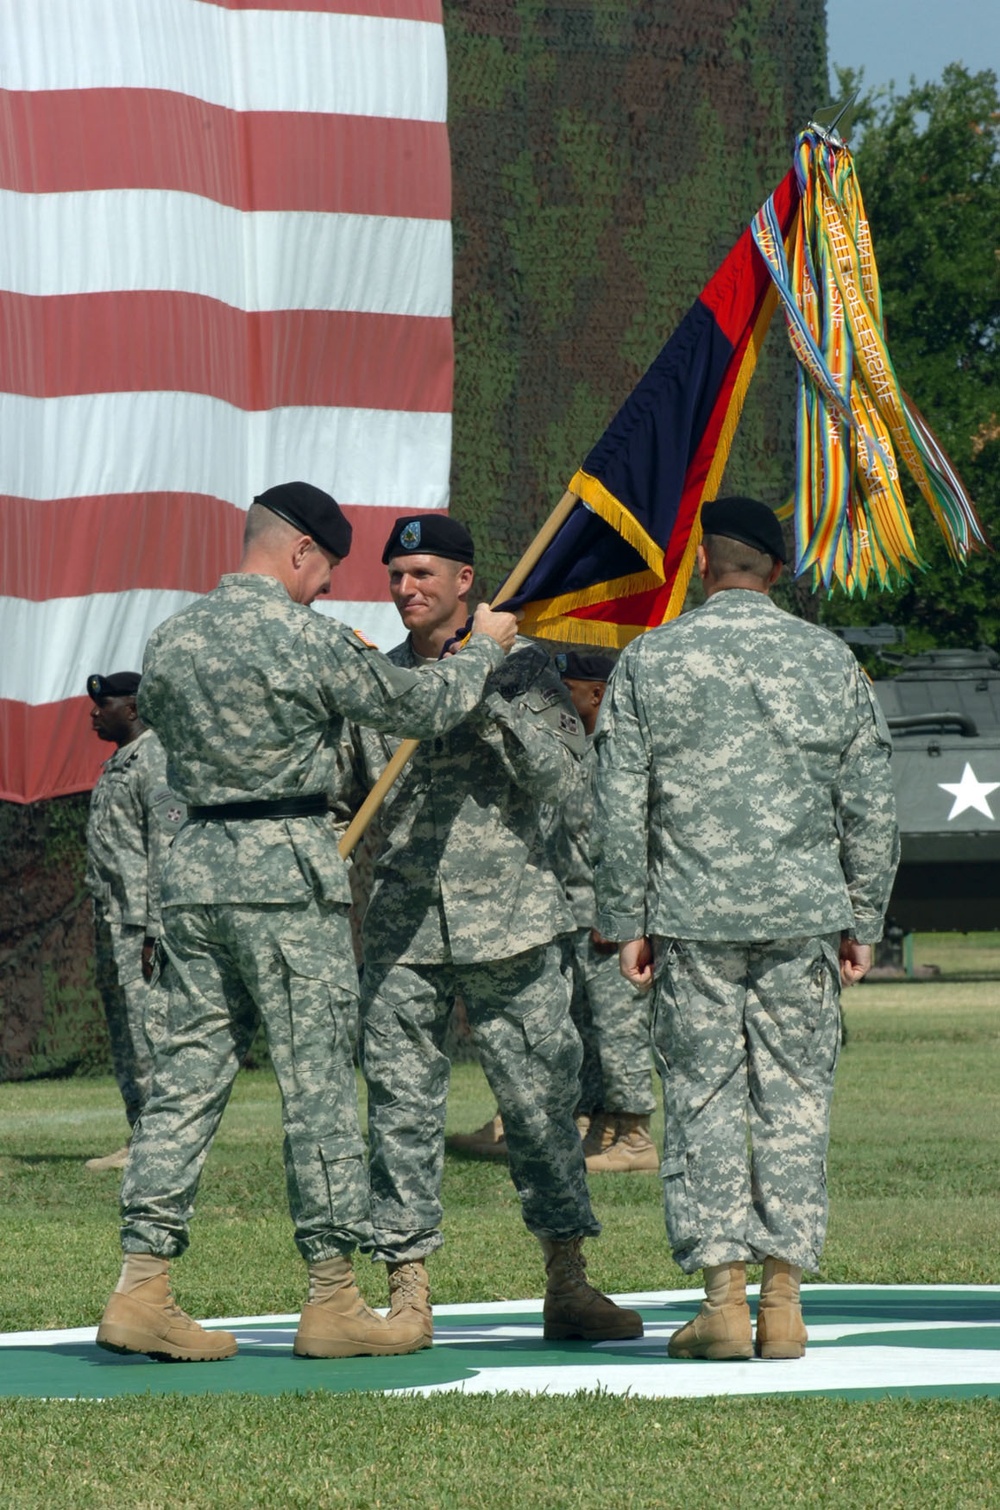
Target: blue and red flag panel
point(622, 561)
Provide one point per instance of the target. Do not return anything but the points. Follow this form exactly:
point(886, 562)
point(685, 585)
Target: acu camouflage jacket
point(249, 693)
point(568, 837)
point(743, 787)
point(461, 867)
point(133, 818)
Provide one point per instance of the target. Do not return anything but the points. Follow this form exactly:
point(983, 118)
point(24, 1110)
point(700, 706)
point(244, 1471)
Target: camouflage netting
point(606, 157)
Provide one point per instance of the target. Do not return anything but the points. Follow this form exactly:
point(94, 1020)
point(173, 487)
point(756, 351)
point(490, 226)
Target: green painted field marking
point(865, 1342)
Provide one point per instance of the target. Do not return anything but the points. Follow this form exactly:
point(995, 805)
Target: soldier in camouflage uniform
point(755, 745)
point(133, 818)
point(464, 900)
point(610, 1014)
point(249, 691)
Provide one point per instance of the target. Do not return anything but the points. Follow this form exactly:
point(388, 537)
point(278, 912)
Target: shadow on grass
point(32, 1159)
point(467, 1156)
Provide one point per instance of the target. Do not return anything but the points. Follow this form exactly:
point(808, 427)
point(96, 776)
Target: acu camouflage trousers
point(132, 1008)
point(746, 1039)
point(291, 968)
point(518, 1012)
point(612, 1019)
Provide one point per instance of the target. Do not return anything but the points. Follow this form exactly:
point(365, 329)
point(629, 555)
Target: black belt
point(281, 807)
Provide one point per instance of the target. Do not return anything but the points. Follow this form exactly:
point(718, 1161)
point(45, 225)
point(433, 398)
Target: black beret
point(430, 535)
point(747, 520)
point(119, 684)
point(585, 665)
point(312, 511)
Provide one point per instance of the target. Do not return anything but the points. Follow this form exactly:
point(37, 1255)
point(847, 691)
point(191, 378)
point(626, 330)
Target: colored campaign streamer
point(852, 526)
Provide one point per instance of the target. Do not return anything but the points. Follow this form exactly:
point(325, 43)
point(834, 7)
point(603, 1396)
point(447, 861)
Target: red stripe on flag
point(734, 297)
point(61, 141)
point(48, 750)
point(72, 547)
point(643, 610)
point(164, 342)
point(743, 278)
point(393, 10)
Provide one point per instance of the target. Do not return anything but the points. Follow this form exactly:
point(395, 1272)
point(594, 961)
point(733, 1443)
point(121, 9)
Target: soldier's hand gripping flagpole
point(366, 812)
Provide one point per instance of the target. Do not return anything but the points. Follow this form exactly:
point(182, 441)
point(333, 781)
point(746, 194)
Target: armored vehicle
point(943, 708)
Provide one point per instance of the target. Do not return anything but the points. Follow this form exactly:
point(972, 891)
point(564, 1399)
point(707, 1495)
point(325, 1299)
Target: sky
point(892, 39)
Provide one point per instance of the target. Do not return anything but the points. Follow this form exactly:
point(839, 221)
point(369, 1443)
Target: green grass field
point(913, 1187)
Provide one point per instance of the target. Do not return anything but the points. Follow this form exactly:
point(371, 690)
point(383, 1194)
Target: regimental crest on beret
point(561, 663)
point(409, 535)
point(119, 684)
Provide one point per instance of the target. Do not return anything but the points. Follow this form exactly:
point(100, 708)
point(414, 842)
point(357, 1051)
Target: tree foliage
point(929, 167)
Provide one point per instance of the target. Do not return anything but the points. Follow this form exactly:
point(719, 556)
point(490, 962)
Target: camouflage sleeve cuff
point(495, 653)
point(867, 933)
point(621, 928)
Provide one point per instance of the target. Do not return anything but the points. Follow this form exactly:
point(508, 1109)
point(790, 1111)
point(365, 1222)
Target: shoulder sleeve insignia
point(568, 722)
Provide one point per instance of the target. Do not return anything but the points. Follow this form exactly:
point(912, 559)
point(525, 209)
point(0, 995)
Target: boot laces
point(407, 1287)
point(573, 1265)
point(171, 1307)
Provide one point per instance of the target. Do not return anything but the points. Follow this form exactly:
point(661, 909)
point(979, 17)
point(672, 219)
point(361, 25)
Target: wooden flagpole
point(366, 812)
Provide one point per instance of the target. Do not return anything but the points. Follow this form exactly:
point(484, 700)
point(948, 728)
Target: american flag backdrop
point(225, 262)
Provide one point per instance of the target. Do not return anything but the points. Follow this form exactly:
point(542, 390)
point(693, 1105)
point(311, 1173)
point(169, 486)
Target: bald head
point(274, 547)
point(265, 529)
point(727, 558)
point(725, 563)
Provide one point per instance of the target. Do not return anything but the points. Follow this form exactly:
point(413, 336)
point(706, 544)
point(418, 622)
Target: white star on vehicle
point(969, 793)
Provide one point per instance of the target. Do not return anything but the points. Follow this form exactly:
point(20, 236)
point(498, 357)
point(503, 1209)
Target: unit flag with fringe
point(622, 560)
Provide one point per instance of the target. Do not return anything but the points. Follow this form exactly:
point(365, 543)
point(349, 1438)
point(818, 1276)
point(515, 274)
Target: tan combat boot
point(600, 1134)
point(336, 1323)
point(572, 1307)
point(487, 1142)
point(410, 1296)
point(781, 1332)
point(631, 1151)
point(116, 1160)
point(721, 1328)
point(142, 1317)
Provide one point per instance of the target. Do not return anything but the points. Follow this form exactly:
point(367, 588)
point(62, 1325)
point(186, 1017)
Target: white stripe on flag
point(183, 442)
point(117, 239)
point(62, 640)
point(240, 59)
point(378, 622)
